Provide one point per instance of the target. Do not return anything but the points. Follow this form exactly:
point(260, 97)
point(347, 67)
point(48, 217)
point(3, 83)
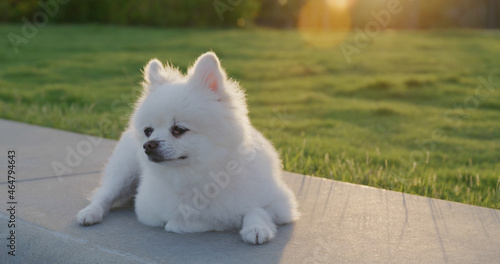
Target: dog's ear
point(155, 74)
point(207, 73)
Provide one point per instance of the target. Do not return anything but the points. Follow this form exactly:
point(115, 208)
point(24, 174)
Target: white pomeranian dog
point(193, 160)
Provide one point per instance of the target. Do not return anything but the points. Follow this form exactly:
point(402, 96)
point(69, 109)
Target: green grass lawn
point(404, 114)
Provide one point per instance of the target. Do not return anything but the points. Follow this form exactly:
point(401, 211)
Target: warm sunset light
point(339, 4)
point(250, 131)
point(324, 23)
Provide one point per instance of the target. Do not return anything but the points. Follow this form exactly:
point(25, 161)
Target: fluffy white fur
point(203, 167)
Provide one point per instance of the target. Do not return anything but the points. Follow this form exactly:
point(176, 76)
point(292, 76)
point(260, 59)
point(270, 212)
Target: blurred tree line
point(420, 14)
point(425, 14)
point(162, 13)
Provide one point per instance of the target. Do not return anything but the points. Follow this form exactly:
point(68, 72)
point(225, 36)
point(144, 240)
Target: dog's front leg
point(118, 184)
point(258, 227)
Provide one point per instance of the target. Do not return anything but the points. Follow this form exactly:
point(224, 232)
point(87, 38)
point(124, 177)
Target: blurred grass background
point(402, 115)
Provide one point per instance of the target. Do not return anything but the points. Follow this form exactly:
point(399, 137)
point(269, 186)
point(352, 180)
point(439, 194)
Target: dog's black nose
point(150, 145)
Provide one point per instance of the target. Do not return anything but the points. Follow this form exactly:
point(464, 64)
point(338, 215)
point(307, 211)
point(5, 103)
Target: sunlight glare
point(282, 2)
point(324, 23)
point(339, 4)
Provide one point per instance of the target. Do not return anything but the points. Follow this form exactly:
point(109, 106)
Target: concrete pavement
point(341, 222)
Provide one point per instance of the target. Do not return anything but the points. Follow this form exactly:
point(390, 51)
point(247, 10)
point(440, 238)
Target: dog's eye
point(177, 131)
point(148, 131)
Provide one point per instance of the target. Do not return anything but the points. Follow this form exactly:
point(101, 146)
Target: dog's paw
point(90, 215)
point(173, 226)
point(257, 234)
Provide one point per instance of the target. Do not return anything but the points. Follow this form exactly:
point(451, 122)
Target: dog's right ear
point(155, 74)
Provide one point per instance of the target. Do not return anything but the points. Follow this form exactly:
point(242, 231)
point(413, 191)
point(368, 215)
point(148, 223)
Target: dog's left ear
point(207, 73)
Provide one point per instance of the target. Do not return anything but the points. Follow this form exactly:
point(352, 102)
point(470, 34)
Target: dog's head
point(193, 118)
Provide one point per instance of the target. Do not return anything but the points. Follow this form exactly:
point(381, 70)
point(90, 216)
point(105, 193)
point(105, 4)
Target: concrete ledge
point(341, 222)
